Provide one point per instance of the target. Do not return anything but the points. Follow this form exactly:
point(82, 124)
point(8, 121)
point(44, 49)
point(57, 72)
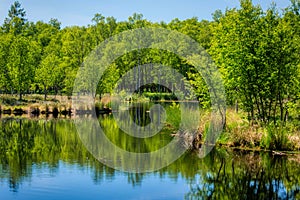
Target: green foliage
point(15, 21)
point(62, 51)
point(259, 58)
point(174, 115)
point(275, 137)
point(22, 57)
point(257, 53)
point(5, 42)
point(43, 77)
point(160, 96)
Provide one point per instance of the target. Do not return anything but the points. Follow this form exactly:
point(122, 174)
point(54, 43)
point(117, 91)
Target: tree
point(103, 28)
point(55, 23)
point(98, 29)
point(52, 50)
point(295, 7)
point(217, 15)
point(44, 32)
point(23, 56)
point(76, 44)
point(254, 51)
point(5, 42)
point(137, 21)
point(15, 20)
point(48, 73)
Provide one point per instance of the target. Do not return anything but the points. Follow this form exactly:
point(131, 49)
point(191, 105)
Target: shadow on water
point(223, 174)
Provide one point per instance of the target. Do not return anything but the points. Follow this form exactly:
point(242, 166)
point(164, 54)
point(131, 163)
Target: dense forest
point(257, 52)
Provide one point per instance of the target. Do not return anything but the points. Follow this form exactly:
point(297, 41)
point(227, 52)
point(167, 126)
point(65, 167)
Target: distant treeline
point(256, 51)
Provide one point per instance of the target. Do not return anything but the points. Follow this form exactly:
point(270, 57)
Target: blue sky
point(79, 12)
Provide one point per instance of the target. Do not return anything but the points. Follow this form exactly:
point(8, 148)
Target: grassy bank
point(239, 132)
point(35, 105)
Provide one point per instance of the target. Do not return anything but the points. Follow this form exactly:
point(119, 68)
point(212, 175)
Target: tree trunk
point(236, 106)
point(45, 93)
point(56, 91)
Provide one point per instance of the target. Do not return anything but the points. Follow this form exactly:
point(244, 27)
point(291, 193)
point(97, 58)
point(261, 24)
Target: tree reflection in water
point(223, 174)
point(246, 175)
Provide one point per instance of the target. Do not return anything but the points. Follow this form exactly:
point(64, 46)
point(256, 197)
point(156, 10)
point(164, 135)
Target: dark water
point(45, 159)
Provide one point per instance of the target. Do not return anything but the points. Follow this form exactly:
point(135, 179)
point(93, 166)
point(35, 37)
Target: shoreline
point(238, 133)
point(34, 106)
point(219, 144)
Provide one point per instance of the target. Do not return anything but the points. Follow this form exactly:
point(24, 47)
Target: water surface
point(45, 159)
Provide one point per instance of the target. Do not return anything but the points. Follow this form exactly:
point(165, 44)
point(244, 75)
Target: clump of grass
point(8, 100)
point(205, 118)
point(245, 135)
point(275, 137)
point(239, 132)
point(54, 100)
point(294, 140)
point(281, 137)
point(36, 97)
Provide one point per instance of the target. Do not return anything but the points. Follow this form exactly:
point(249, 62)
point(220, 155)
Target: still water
point(45, 159)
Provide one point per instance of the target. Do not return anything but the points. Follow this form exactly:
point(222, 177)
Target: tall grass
point(275, 137)
point(241, 133)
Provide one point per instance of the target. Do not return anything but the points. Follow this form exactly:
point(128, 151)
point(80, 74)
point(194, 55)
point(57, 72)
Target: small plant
point(174, 105)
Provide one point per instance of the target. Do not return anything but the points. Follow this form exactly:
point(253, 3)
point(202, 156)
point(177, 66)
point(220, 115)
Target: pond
point(46, 159)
